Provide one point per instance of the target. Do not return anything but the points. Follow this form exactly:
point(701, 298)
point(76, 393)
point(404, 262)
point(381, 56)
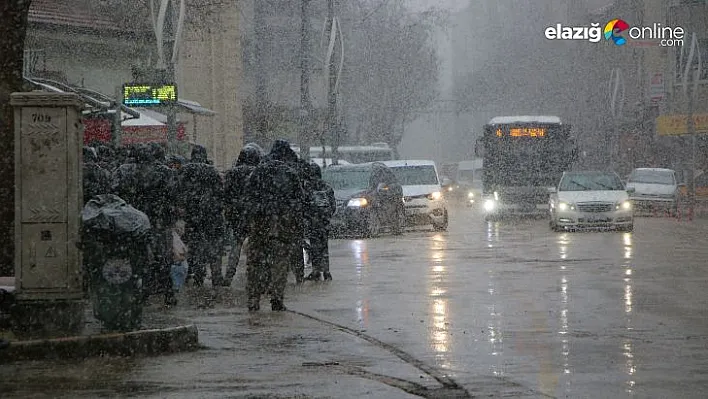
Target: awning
point(105, 103)
point(195, 107)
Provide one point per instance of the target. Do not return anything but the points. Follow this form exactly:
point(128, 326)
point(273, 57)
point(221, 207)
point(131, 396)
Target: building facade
point(98, 45)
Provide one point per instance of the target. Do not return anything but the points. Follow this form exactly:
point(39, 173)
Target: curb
point(141, 342)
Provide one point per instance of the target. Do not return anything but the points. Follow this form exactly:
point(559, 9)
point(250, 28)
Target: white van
point(422, 192)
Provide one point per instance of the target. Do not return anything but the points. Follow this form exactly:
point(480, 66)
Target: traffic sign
point(656, 87)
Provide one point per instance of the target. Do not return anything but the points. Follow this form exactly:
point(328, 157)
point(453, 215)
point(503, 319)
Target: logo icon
point(612, 28)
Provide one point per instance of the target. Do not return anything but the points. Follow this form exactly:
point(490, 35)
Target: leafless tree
point(13, 27)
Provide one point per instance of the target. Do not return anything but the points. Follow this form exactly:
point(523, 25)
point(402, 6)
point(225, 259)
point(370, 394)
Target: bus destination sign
point(149, 95)
point(523, 132)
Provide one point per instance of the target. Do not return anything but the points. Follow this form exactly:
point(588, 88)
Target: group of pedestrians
point(275, 203)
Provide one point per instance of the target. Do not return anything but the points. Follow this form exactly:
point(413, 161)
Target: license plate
point(596, 220)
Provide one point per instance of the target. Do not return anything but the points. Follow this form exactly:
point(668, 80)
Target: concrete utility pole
point(305, 104)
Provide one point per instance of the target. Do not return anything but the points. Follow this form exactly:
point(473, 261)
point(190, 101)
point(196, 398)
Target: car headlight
point(470, 195)
point(624, 205)
point(435, 196)
point(357, 202)
point(449, 188)
point(564, 206)
point(489, 205)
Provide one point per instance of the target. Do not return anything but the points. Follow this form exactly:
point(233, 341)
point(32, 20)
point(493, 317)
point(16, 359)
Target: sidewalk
point(244, 355)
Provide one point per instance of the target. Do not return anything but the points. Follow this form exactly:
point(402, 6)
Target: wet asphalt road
point(584, 314)
point(488, 304)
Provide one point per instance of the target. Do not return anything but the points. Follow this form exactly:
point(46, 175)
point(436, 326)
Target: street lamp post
point(616, 87)
point(305, 105)
point(332, 81)
point(693, 74)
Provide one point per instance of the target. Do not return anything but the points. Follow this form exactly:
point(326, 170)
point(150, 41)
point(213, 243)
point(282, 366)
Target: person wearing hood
point(275, 222)
point(322, 206)
point(150, 187)
point(235, 203)
point(202, 196)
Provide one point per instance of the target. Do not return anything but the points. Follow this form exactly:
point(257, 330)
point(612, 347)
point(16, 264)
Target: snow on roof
point(654, 170)
point(407, 162)
point(501, 120)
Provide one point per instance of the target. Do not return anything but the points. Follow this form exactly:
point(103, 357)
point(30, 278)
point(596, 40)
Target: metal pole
point(332, 95)
point(168, 46)
point(691, 131)
point(305, 105)
point(118, 119)
point(261, 93)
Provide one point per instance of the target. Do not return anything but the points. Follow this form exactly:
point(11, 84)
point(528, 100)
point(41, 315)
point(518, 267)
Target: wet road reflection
point(494, 321)
point(627, 343)
point(439, 335)
point(360, 252)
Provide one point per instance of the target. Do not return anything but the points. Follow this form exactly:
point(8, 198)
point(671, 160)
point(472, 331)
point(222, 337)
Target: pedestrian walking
point(322, 206)
point(151, 188)
point(235, 203)
point(275, 220)
point(202, 198)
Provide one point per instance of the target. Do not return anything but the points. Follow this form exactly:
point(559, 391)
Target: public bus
point(353, 154)
point(523, 156)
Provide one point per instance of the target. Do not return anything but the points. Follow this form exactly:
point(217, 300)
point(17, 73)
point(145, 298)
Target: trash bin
point(115, 242)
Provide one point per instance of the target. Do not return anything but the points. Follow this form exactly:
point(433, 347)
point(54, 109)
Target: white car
point(422, 192)
point(590, 199)
point(654, 188)
point(324, 162)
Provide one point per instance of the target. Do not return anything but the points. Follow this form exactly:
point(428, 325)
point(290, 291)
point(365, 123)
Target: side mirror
point(382, 187)
point(552, 190)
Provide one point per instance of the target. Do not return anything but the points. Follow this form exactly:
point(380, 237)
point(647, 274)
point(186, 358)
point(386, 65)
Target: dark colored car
point(369, 199)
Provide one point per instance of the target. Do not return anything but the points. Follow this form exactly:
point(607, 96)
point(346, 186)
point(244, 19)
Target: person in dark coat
point(275, 220)
point(235, 202)
point(202, 198)
point(96, 180)
point(322, 207)
point(107, 157)
point(150, 187)
point(303, 170)
point(158, 152)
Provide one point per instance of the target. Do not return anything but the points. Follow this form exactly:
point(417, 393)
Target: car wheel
point(373, 225)
point(400, 223)
point(442, 226)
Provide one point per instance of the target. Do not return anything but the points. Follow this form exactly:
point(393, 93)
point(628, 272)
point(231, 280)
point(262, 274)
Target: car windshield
point(590, 182)
point(347, 179)
point(416, 175)
point(652, 177)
